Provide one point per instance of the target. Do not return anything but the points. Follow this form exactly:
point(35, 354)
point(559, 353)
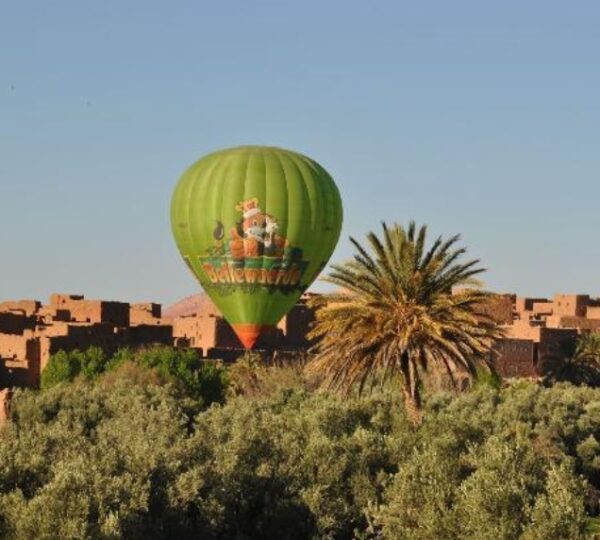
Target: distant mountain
point(190, 306)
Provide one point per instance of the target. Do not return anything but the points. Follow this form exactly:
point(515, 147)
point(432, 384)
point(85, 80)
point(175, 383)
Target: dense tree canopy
point(122, 455)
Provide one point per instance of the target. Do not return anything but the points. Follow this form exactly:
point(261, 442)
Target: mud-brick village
point(539, 331)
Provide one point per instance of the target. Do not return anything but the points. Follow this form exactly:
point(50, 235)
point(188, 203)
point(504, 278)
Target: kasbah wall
point(31, 332)
point(539, 332)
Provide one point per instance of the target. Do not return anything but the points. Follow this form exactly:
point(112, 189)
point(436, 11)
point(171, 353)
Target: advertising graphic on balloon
point(256, 225)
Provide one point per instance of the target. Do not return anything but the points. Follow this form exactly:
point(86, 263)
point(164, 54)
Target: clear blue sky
point(475, 117)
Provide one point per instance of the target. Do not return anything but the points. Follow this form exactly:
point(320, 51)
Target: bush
point(249, 376)
point(65, 366)
point(201, 380)
point(205, 382)
point(62, 367)
point(83, 461)
point(559, 512)
point(122, 457)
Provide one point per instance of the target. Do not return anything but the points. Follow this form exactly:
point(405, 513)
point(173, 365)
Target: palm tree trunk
point(412, 406)
point(410, 392)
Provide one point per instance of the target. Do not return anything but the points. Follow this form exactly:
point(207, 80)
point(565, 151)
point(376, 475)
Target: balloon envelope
point(255, 225)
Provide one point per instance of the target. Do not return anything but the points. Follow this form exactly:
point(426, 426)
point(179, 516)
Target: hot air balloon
point(255, 225)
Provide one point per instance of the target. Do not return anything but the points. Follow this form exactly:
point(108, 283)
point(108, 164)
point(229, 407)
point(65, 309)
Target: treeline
point(155, 446)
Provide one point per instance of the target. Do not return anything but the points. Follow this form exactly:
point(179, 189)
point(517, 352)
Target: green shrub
point(419, 503)
point(559, 513)
point(249, 376)
point(125, 456)
point(204, 382)
point(62, 367)
point(494, 502)
point(201, 380)
point(65, 366)
point(94, 463)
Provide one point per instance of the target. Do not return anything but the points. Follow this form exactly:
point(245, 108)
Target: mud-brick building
point(544, 331)
point(23, 307)
point(15, 323)
point(515, 358)
point(19, 359)
point(31, 332)
point(146, 313)
point(536, 354)
point(75, 308)
point(539, 332)
point(576, 311)
point(202, 326)
point(499, 307)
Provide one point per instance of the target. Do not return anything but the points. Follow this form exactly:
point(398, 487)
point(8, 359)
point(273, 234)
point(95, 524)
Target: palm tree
point(588, 347)
point(581, 366)
point(398, 311)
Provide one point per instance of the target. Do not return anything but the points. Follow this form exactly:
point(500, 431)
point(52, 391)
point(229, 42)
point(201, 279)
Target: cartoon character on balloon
point(257, 234)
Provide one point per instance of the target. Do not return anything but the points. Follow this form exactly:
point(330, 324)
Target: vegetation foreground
point(250, 452)
point(156, 444)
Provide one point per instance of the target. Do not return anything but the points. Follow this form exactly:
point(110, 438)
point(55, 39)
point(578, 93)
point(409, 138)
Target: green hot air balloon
point(256, 225)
